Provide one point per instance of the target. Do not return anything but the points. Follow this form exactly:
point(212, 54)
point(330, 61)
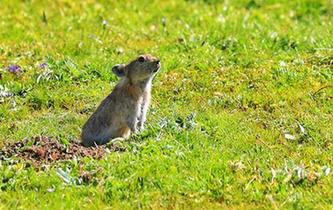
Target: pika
point(124, 110)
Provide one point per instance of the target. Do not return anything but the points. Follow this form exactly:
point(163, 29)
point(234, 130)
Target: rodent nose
point(158, 61)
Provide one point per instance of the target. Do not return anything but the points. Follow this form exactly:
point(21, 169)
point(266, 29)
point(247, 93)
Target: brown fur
point(124, 110)
point(134, 91)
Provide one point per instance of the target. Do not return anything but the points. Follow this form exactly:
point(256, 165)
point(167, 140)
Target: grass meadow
point(241, 114)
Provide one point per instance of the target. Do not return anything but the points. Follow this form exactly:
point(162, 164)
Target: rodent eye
point(141, 59)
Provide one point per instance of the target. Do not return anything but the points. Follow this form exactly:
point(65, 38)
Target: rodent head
point(140, 69)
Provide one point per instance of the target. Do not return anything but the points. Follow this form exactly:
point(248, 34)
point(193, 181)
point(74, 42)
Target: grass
point(238, 77)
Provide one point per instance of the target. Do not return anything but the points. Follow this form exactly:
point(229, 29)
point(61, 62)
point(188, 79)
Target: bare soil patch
point(43, 149)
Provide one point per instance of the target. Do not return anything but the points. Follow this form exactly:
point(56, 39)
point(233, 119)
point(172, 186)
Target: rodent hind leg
point(132, 124)
point(124, 132)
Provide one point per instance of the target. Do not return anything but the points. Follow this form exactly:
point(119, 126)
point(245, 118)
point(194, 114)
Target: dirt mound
point(43, 149)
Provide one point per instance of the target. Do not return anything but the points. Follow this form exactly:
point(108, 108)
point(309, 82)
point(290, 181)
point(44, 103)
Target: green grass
point(237, 76)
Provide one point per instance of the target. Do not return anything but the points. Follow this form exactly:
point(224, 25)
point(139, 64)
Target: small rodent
point(124, 110)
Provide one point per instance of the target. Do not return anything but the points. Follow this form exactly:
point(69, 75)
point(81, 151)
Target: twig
point(320, 89)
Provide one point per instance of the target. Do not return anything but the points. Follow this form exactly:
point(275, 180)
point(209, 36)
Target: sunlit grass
point(241, 115)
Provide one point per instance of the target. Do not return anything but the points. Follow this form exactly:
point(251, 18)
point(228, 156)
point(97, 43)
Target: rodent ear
point(119, 70)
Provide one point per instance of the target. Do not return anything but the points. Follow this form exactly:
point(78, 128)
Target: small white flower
point(289, 136)
point(105, 22)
